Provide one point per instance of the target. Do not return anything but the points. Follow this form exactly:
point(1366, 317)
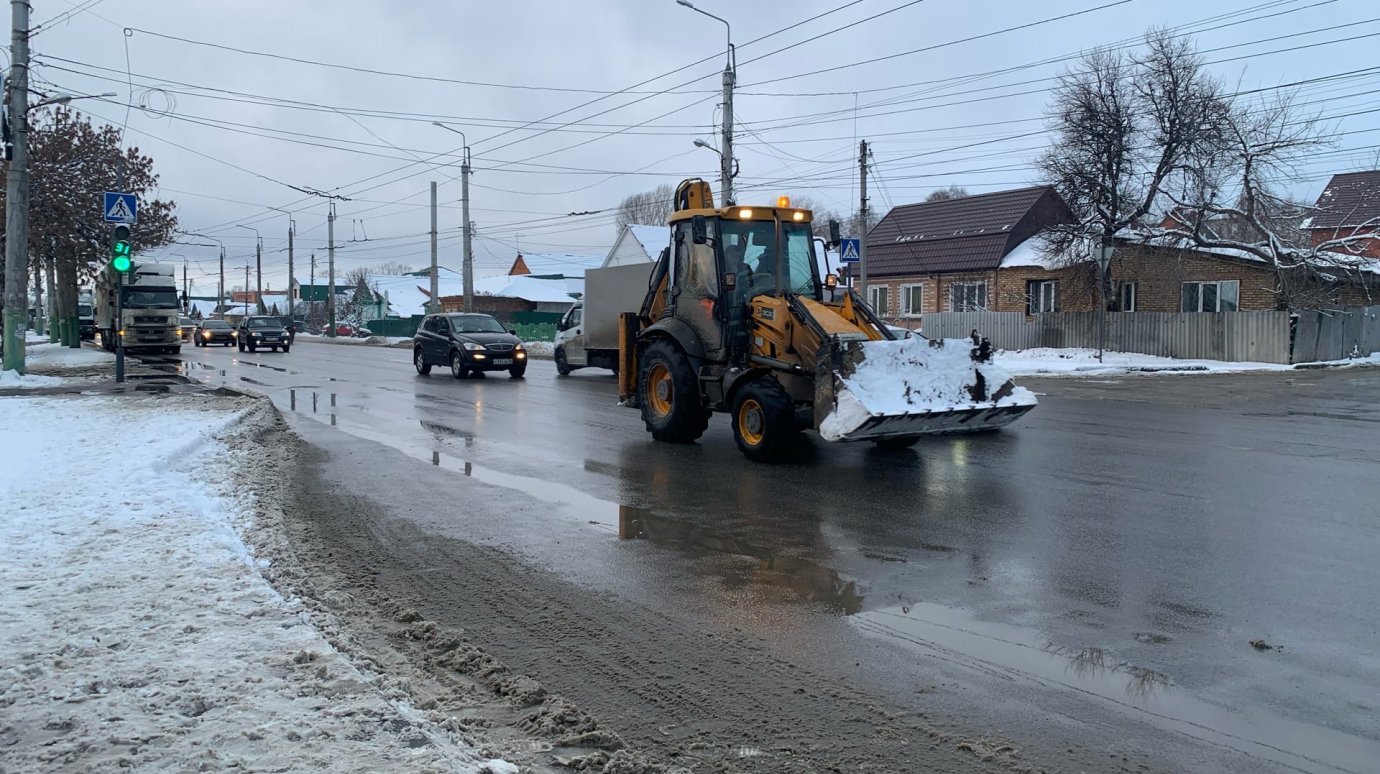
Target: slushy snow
point(914, 376)
point(137, 631)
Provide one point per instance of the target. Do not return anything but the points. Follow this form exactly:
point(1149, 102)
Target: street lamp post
point(1104, 260)
point(730, 78)
point(467, 265)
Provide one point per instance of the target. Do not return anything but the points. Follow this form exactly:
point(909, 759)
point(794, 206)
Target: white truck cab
point(570, 340)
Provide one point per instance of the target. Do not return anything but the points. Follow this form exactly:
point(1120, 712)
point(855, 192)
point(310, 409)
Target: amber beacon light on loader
point(737, 319)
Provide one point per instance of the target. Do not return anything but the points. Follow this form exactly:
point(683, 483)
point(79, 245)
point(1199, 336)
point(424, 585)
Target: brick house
point(986, 253)
point(1349, 205)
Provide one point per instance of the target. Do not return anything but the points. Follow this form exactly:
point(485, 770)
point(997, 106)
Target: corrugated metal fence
point(1262, 337)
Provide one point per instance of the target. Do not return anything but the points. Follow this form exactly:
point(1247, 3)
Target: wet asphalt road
point(1093, 576)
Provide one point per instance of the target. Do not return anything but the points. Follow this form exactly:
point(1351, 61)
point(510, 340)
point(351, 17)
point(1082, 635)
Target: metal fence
point(1242, 336)
point(1333, 334)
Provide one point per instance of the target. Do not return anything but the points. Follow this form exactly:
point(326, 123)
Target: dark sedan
point(213, 332)
point(266, 332)
point(468, 343)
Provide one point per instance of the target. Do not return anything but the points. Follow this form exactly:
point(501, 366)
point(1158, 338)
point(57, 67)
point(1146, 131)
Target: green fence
point(395, 326)
point(545, 331)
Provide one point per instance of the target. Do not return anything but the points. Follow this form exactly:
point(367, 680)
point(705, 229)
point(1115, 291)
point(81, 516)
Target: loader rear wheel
point(763, 420)
point(670, 394)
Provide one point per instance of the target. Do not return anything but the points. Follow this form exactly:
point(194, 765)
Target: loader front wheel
point(670, 395)
point(763, 420)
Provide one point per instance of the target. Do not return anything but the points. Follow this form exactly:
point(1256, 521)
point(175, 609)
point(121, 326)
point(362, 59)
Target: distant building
point(1349, 205)
point(638, 244)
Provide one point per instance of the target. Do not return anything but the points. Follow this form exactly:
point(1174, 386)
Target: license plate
point(503, 361)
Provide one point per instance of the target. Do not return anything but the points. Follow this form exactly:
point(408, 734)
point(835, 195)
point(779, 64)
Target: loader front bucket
point(872, 390)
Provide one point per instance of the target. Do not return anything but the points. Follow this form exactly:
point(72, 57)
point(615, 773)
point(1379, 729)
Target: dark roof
point(969, 234)
point(1350, 199)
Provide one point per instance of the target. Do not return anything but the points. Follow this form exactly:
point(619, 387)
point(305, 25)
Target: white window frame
point(884, 293)
point(906, 310)
point(1121, 289)
point(967, 286)
point(1035, 291)
point(1236, 285)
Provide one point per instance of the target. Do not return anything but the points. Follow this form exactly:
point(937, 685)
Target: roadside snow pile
point(912, 378)
point(54, 358)
point(1084, 361)
point(138, 632)
point(13, 379)
point(540, 348)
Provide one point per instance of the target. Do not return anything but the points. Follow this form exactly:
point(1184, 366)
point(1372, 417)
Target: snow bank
point(913, 377)
point(55, 357)
point(540, 348)
point(138, 632)
point(13, 379)
point(1045, 360)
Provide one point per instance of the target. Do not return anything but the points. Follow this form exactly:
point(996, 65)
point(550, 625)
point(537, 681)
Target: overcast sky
point(232, 133)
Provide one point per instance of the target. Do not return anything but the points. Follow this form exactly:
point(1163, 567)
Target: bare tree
point(651, 208)
point(1127, 124)
point(945, 194)
point(822, 215)
point(392, 268)
point(1230, 201)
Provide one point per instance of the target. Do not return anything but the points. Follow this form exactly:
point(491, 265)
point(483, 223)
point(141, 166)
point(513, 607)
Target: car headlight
point(206, 334)
point(257, 334)
point(179, 331)
point(473, 347)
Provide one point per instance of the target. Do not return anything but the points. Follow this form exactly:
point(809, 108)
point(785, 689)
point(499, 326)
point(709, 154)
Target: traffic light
point(120, 250)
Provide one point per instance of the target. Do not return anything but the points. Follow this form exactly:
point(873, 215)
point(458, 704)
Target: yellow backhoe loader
point(737, 319)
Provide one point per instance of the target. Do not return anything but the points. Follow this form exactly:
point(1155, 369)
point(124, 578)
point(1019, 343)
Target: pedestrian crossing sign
point(850, 250)
point(120, 207)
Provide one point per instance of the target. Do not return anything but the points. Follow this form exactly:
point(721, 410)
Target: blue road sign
point(120, 207)
point(850, 250)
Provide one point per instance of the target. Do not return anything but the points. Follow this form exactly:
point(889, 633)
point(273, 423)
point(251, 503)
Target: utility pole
point(330, 260)
point(434, 306)
point(259, 270)
point(862, 218)
point(726, 142)
point(292, 278)
point(311, 305)
point(220, 288)
point(246, 290)
point(467, 263)
point(17, 194)
point(186, 290)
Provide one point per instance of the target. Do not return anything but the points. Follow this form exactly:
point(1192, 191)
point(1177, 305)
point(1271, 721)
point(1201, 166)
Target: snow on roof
point(568, 264)
point(652, 238)
point(528, 288)
point(1031, 252)
point(1325, 258)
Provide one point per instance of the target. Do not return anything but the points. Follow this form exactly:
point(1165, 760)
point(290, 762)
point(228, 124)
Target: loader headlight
point(798, 216)
point(745, 213)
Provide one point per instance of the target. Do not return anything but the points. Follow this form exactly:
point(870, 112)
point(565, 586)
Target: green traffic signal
point(120, 261)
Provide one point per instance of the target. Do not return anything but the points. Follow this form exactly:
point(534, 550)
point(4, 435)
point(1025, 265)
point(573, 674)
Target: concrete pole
point(246, 290)
point(862, 219)
point(726, 141)
point(220, 288)
point(292, 278)
point(435, 305)
point(17, 194)
point(330, 283)
point(259, 270)
point(468, 262)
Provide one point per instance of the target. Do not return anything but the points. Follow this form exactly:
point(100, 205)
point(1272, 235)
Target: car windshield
point(161, 298)
point(218, 325)
point(264, 322)
point(84, 310)
point(476, 324)
point(750, 249)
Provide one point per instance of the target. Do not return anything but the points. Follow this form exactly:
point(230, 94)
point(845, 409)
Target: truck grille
point(150, 320)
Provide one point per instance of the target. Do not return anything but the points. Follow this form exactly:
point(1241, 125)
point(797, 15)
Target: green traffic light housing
point(121, 252)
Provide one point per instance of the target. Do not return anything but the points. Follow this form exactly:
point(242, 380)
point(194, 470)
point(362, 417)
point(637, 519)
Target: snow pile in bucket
point(913, 376)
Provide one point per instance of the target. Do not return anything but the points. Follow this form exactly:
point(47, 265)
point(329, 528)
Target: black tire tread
point(781, 430)
point(687, 420)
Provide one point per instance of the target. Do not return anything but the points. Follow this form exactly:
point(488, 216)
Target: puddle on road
point(1008, 652)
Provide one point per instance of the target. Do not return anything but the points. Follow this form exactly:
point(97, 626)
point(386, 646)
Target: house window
point(1041, 296)
point(879, 298)
point(968, 297)
point(1210, 296)
point(1126, 297)
point(912, 298)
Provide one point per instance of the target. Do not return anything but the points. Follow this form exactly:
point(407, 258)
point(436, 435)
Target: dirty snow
point(55, 357)
point(913, 376)
point(13, 379)
point(540, 348)
point(138, 631)
point(1076, 361)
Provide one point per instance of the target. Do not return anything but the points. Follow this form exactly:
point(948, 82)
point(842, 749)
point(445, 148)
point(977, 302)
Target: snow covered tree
point(1126, 125)
point(1231, 201)
point(945, 194)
